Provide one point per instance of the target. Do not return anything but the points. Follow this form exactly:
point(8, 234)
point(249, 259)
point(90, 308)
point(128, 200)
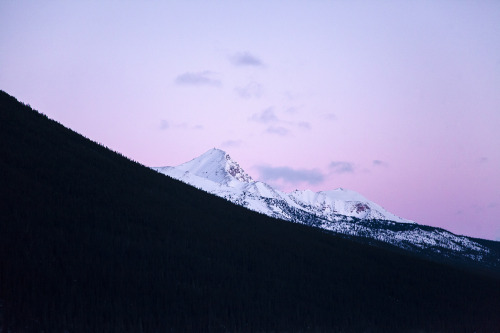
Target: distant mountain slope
point(340, 210)
point(92, 242)
point(217, 173)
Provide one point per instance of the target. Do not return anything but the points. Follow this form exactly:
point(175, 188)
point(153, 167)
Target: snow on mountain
point(340, 210)
point(217, 173)
point(217, 166)
point(343, 202)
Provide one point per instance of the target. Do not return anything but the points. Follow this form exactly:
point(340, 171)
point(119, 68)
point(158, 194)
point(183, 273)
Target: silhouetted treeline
point(93, 242)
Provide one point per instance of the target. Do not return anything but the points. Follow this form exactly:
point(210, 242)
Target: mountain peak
point(216, 165)
point(214, 151)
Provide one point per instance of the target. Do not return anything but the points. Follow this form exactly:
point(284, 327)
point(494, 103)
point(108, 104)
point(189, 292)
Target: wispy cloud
point(231, 143)
point(251, 90)
point(290, 96)
point(245, 59)
point(277, 125)
point(290, 175)
point(330, 116)
point(278, 130)
point(266, 116)
point(380, 163)
point(205, 78)
point(492, 205)
point(304, 125)
point(341, 167)
point(291, 110)
point(164, 125)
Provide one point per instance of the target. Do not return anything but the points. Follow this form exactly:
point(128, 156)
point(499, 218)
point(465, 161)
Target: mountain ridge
point(217, 166)
point(340, 210)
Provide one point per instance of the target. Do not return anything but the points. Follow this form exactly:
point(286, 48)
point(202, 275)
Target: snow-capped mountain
point(217, 173)
point(339, 210)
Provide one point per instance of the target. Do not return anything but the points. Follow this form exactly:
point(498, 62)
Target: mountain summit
point(340, 210)
point(215, 165)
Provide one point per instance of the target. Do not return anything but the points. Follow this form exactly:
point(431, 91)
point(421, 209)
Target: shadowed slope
point(92, 242)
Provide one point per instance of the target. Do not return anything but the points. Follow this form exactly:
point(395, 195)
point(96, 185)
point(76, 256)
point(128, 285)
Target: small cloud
point(266, 116)
point(289, 175)
point(164, 125)
point(330, 116)
point(341, 167)
point(279, 130)
point(251, 90)
point(246, 59)
point(288, 95)
point(492, 205)
point(231, 143)
point(180, 126)
point(483, 160)
point(291, 110)
point(304, 125)
point(379, 163)
point(197, 79)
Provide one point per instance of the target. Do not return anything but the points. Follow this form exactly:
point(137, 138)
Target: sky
point(397, 100)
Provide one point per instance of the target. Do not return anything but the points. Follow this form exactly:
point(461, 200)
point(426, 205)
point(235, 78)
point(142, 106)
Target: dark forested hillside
point(93, 242)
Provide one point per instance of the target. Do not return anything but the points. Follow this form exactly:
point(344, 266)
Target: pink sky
point(398, 101)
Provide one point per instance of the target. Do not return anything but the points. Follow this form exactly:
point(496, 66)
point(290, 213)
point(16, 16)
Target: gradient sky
point(397, 100)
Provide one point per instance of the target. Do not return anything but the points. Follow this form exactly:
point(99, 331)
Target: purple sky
point(397, 100)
